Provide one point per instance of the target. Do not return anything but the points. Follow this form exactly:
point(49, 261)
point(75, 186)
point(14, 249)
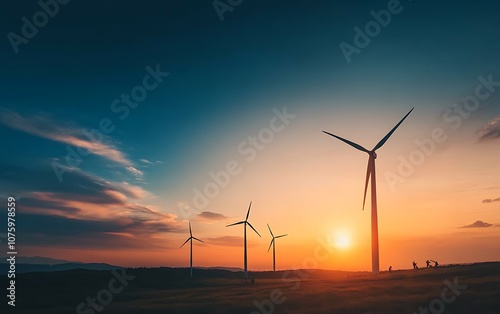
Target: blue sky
point(225, 78)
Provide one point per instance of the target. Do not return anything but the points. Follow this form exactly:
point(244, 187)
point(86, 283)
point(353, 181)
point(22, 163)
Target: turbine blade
point(186, 242)
point(270, 230)
point(382, 141)
point(368, 174)
point(253, 228)
point(190, 232)
point(198, 239)
point(357, 146)
point(248, 212)
point(281, 236)
point(270, 245)
point(236, 223)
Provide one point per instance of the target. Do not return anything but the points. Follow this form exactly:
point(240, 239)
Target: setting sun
point(341, 241)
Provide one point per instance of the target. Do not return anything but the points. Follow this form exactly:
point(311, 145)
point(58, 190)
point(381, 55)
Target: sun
point(341, 241)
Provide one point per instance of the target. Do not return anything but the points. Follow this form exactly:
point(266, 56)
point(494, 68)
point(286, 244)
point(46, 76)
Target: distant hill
point(231, 269)
point(38, 260)
point(26, 264)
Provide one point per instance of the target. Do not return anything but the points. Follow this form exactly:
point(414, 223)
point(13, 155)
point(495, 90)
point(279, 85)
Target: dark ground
point(168, 290)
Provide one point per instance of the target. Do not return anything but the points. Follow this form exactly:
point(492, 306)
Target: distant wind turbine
point(371, 173)
point(245, 222)
point(273, 243)
point(191, 238)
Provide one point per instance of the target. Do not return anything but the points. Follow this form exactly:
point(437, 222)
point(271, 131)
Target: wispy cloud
point(138, 174)
point(92, 234)
point(491, 130)
point(46, 127)
point(85, 204)
point(489, 200)
point(478, 224)
point(20, 180)
point(148, 162)
point(212, 216)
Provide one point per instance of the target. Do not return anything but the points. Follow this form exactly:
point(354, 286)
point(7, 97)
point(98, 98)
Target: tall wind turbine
point(191, 238)
point(370, 173)
point(273, 243)
point(245, 222)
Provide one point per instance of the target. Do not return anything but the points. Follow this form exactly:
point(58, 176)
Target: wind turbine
point(245, 222)
point(371, 173)
point(273, 243)
point(191, 238)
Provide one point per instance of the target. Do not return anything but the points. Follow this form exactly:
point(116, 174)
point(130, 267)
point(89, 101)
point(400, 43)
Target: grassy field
point(306, 291)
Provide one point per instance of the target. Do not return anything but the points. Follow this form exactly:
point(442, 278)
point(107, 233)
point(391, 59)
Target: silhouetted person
point(436, 264)
point(415, 265)
point(390, 269)
point(428, 263)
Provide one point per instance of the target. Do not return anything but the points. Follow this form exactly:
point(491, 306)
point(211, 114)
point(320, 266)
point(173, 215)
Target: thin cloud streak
point(491, 130)
point(212, 216)
point(489, 200)
point(478, 224)
point(148, 162)
point(44, 127)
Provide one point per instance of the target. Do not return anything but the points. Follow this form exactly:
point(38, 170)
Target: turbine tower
point(273, 243)
point(370, 173)
point(245, 222)
point(191, 238)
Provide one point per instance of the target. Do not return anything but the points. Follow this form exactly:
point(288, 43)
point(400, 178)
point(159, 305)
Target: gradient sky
point(128, 202)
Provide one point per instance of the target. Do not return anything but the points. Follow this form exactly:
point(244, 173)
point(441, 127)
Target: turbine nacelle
point(191, 238)
point(245, 222)
point(274, 237)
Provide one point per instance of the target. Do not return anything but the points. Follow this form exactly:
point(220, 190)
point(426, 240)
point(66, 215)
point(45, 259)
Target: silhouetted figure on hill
point(415, 265)
point(436, 264)
point(428, 263)
point(390, 269)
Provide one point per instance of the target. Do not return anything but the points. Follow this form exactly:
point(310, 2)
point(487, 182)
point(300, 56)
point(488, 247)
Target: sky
point(123, 121)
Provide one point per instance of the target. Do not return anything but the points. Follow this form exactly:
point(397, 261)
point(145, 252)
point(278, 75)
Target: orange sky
point(310, 186)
